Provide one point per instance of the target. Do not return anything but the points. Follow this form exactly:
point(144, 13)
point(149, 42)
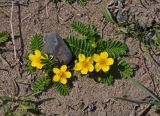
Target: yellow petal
point(63, 68)
point(104, 55)
point(31, 57)
point(56, 78)
point(105, 68)
point(38, 53)
point(56, 70)
point(78, 66)
point(39, 65)
point(96, 57)
point(81, 57)
point(63, 80)
point(84, 71)
point(67, 74)
point(34, 64)
point(89, 59)
point(110, 61)
point(97, 67)
point(91, 68)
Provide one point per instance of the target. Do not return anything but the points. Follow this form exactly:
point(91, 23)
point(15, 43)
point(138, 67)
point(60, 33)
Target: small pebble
point(134, 66)
point(122, 16)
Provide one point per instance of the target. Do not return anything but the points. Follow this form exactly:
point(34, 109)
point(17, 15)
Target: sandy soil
point(87, 98)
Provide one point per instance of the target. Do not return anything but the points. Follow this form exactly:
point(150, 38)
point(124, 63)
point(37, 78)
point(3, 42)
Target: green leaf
point(30, 106)
point(124, 69)
point(113, 47)
point(103, 77)
point(28, 68)
point(87, 30)
point(139, 102)
point(4, 37)
point(158, 34)
point(108, 15)
point(36, 42)
point(7, 98)
point(78, 46)
point(40, 85)
point(63, 89)
point(121, 69)
point(82, 2)
point(49, 63)
point(143, 88)
point(8, 111)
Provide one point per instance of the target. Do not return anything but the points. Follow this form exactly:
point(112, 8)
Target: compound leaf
point(36, 42)
point(113, 47)
point(4, 36)
point(63, 89)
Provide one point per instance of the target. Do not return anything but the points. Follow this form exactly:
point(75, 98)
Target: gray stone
point(55, 45)
point(135, 67)
point(122, 16)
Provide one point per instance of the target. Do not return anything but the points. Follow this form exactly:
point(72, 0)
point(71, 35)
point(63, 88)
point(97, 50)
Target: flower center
point(62, 75)
point(102, 61)
point(85, 64)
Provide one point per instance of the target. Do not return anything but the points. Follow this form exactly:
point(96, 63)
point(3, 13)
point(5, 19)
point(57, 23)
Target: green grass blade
point(148, 91)
point(108, 15)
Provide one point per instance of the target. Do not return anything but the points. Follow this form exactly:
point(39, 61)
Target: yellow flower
point(102, 61)
point(61, 74)
point(84, 65)
point(36, 59)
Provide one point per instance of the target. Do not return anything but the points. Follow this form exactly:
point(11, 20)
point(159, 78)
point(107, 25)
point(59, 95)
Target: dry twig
point(12, 31)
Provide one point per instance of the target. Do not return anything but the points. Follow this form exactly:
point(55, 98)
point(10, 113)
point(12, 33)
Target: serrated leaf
point(40, 85)
point(121, 69)
point(63, 89)
point(124, 69)
point(30, 106)
point(86, 30)
point(108, 15)
point(103, 77)
point(78, 46)
point(148, 91)
point(113, 47)
point(49, 63)
point(4, 37)
point(36, 42)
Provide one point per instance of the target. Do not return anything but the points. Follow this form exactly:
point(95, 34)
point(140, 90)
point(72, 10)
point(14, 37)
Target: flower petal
point(97, 67)
point(63, 80)
point(31, 57)
point(110, 61)
point(38, 53)
point(81, 57)
point(105, 68)
point(39, 65)
point(89, 59)
point(104, 55)
point(96, 57)
point(84, 71)
point(56, 70)
point(67, 74)
point(56, 78)
point(78, 66)
point(63, 68)
point(91, 68)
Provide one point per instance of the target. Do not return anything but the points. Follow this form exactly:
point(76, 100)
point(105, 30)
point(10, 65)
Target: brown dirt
point(87, 98)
